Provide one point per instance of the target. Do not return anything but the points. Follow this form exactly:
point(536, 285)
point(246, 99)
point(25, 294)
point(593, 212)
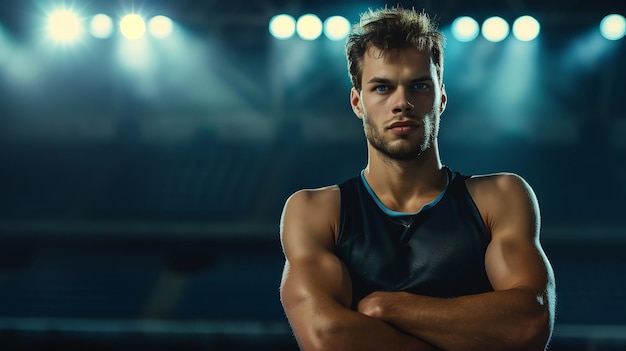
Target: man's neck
point(406, 185)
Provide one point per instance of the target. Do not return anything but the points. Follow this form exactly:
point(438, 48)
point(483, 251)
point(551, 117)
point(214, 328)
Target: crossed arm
point(316, 289)
point(517, 315)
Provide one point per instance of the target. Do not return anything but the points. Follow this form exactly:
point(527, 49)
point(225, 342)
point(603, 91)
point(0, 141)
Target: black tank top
point(438, 251)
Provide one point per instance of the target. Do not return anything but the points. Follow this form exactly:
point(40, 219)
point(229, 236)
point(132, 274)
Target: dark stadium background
point(140, 200)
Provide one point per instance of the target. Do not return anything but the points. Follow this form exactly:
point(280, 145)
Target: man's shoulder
point(312, 213)
point(497, 189)
point(498, 194)
point(320, 203)
point(501, 182)
point(313, 196)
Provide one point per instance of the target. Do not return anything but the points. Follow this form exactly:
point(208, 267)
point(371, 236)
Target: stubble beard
point(410, 150)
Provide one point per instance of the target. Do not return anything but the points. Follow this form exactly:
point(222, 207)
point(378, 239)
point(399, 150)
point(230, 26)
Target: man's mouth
point(403, 124)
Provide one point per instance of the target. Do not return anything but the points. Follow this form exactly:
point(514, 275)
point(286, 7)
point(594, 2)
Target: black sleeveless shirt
point(438, 251)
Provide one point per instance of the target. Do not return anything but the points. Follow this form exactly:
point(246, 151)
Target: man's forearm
point(354, 331)
point(501, 320)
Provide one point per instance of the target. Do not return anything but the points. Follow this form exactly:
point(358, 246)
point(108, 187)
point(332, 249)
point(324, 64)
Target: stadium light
point(282, 27)
point(160, 27)
point(336, 28)
point(465, 29)
point(495, 29)
point(526, 28)
point(613, 27)
point(133, 27)
point(101, 26)
point(64, 26)
point(309, 27)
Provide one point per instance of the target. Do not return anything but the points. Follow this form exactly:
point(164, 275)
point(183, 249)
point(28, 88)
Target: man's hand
point(374, 304)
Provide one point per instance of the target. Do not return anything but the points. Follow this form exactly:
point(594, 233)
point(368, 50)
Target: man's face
point(400, 103)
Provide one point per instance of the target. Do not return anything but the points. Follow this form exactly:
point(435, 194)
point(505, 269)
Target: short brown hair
point(389, 30)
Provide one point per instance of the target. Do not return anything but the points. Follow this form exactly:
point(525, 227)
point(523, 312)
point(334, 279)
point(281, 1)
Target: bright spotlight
point(132, 27)
point(101, 26)
point(64, 26)
point(282, 26)
point(309, 27)
point(613, 27)
point(336, 28)
point(160, 27)
point(526, 28)
point(495, 29)
point(465, 29)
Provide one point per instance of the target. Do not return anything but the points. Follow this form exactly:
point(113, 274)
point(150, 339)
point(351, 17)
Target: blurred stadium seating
point(142, 212)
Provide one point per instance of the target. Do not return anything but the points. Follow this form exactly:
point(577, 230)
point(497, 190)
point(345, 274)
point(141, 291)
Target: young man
point(409, 255)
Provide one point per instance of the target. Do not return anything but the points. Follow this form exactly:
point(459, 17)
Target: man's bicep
point(315, 292)
point(318, 282)
point(514, 264)
point(514, 257)
point(314, 279)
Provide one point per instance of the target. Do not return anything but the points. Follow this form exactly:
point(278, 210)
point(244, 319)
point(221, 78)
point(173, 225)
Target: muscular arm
point(518, 315)
point(316, 289)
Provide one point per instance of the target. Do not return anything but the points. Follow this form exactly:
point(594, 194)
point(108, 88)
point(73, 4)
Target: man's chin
point(401, 155)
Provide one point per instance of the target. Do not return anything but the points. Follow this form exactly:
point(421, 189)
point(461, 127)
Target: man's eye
point(420, 86)
point(381, 88)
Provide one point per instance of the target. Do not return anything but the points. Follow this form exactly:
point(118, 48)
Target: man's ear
point(444, 99)
point(355, 102)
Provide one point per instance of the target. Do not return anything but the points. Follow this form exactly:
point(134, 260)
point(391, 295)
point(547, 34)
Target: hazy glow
point(133, 27)
point(585, 53)
point(465, 29)
point(160, 27)
point(64, 26)
point(336, 28)
point(495, 29)
point(613, 27)
point(309, 27)
point(136, 55)
point(282, 26)
point(101, 26)
point(526, 28)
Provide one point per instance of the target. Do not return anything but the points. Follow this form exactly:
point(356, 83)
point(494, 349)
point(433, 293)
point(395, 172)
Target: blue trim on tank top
point(393, 213)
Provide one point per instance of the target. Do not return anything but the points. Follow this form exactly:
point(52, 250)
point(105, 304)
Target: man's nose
point(402, 102)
